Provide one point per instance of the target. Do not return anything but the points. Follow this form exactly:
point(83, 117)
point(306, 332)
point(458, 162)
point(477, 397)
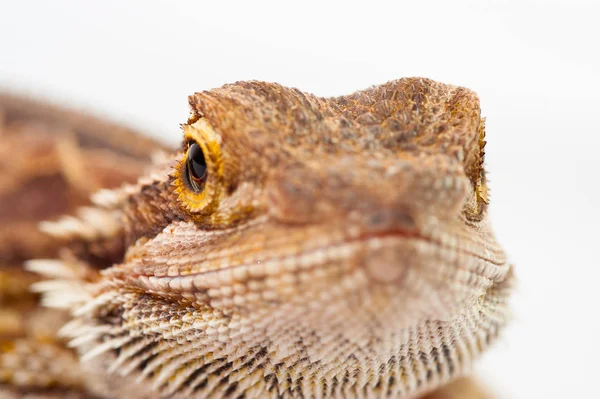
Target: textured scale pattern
point(340, 248)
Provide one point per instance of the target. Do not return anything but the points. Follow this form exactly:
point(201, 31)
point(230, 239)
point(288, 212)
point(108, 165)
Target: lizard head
point(293, 235)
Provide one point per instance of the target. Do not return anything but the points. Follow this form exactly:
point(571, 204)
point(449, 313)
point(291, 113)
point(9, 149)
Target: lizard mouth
point(385, 257)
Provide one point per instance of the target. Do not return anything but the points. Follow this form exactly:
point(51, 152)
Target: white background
point(535, 66)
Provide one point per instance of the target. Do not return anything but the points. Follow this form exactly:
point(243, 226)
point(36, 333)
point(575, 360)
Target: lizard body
point(51, 160)
point(294, 246)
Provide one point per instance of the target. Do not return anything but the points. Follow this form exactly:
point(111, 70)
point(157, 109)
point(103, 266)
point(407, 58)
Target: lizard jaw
point(401, 264)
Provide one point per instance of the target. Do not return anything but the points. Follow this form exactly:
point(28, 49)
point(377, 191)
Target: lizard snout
point(374, 195)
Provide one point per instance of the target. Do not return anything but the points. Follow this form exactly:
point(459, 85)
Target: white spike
point(83, 339)
point(107, 198)
point(59, 302)
point(104, 347)
point(67, 227)
point(91, 305)
point(134, 362)
point(87, 334)
point(50, 268)
point(130, 189)
point(105, 223)
point(161, 358)
point(127, 355)
point(54, 229)
point(49, 286)
point(73, 328)
point(63, 300)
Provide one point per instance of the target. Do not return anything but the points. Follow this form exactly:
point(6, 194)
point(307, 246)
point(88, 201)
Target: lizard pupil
point(196, 167)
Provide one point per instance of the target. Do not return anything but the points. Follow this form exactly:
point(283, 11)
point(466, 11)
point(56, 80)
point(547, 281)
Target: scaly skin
point(337, 247)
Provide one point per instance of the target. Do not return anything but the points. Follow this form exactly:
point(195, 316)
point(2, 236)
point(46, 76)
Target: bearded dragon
point(292, 247)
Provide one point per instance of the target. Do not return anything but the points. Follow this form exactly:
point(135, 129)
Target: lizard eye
point(196, 169)
point(198, 176)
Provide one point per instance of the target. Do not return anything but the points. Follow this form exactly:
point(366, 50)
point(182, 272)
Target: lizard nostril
point(391, 219)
